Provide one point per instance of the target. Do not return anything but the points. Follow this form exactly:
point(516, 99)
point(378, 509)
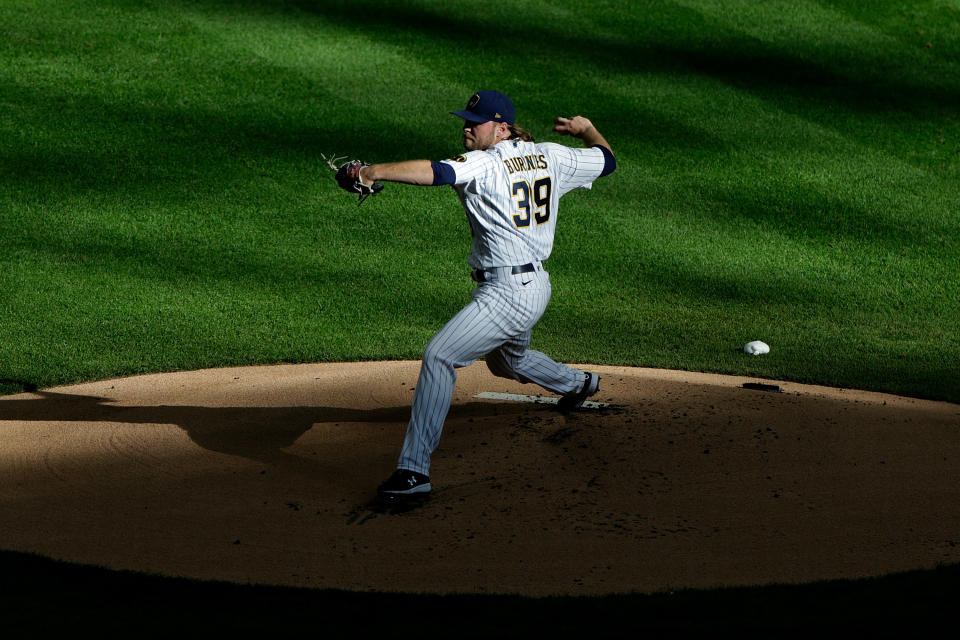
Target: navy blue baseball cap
point(484, 106)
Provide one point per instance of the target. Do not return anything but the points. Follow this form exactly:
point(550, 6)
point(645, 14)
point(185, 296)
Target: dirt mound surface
point(266, 475)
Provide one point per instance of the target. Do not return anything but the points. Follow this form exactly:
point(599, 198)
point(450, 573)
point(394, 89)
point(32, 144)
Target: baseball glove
point(348, 178)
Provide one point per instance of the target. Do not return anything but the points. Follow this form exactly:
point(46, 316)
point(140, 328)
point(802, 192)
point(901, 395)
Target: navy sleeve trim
point(609, 162)
point(443, 174)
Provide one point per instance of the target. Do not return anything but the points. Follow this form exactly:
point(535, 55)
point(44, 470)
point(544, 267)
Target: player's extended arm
point(409, 172)
point(580, 127)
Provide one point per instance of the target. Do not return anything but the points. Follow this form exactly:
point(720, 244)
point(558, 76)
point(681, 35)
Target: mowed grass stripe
point(786, 173)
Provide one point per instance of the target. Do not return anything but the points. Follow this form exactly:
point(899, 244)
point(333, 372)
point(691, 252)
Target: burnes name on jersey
point(525, 163)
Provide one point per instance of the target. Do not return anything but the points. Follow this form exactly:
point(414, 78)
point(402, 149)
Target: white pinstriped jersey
point(510, 193)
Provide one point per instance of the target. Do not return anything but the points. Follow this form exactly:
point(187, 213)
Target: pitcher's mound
point(266, 475)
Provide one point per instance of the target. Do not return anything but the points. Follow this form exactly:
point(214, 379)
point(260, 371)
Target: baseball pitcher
point(510, 187)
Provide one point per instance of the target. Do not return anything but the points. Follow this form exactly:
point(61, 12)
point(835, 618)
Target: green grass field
point(788, 171)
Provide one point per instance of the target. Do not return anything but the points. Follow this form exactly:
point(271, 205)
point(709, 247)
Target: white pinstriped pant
point(495, 324)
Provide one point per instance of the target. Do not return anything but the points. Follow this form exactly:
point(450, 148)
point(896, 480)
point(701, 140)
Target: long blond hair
point(519, 133)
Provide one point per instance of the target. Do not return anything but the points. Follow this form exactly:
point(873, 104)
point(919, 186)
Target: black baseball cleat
point(575, 400)
point(405, 484)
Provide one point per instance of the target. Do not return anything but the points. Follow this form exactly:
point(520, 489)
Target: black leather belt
point(523, 268)
point(479, 276)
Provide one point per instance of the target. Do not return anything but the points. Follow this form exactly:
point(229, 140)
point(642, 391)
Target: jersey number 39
point(532, 201)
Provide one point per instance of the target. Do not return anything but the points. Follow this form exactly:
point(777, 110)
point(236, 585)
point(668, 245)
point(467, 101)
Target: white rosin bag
point(756, 348)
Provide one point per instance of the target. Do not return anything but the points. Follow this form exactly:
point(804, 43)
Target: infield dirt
point(265, 475)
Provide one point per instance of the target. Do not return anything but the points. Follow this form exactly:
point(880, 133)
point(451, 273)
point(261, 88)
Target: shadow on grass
point(39, 594)
point(202, 141)
point(9, 386)
point(672, 39)
point(127, 149)
point(159, 153)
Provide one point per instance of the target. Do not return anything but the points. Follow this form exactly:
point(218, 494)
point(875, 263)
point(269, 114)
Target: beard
point(473, 142)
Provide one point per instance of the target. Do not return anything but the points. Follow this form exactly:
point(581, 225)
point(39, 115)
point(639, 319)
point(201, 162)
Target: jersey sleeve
point(576, 168)
point(443, 174)
point(466, 167)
